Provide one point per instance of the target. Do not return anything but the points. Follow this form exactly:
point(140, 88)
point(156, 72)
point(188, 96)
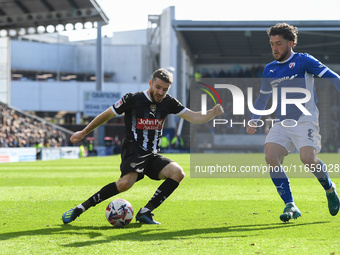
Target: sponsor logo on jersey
point(149, 124)
point(118, 103)
point(276, 82)
point(291, 65)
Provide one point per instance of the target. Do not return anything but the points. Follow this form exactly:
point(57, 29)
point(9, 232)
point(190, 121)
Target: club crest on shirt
point(118, 103)
point(291, 65)
point(153, 107)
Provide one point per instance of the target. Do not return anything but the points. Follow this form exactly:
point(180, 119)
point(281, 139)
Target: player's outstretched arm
point(198, 118)
point(96, 122)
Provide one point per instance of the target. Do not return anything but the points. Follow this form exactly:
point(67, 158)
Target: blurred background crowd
point(18, 130)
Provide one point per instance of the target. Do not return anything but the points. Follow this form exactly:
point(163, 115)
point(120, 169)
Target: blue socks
point(282, 184)
point(322, 175)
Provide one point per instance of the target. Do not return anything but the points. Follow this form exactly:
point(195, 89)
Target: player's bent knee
point(126, 182)
point(308, 159)
point(173, 171)
point(272, 160)
point(179, 175)
point(124, 185)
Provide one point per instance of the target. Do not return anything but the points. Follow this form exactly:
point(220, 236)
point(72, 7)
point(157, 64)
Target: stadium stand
point(19, 129)
point(252, 72)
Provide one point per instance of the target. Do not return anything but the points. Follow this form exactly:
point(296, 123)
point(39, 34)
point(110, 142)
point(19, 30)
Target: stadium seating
point(19, 129)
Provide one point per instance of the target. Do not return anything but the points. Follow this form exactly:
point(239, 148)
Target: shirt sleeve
point(332, 77)
point(122, 104)
point(260, 104)
point(315, 67)
point(176, 107)
point(265, 93)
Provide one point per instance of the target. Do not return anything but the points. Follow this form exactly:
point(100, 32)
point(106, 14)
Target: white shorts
point(305, 133)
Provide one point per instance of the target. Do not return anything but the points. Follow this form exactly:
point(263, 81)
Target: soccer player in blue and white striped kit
point(301, 130)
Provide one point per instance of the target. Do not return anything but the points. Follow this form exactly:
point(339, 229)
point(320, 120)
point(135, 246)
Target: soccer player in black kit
point(145, 113)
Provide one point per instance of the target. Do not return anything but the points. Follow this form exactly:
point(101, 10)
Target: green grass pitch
point(203, 216)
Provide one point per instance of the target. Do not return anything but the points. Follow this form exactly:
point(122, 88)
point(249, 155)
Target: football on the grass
point(119, 213)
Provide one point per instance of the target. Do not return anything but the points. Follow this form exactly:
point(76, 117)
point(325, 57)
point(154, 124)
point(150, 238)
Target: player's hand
point(251, 129)
point(77, 136)
point(218, 110)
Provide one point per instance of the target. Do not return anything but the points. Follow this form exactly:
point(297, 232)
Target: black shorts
point(135, 159)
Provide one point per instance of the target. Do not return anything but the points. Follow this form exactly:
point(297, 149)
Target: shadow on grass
point(149, 234)
point(90, 231)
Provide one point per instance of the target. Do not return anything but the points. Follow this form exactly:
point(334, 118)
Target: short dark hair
point(287, 31)
point(164, 75)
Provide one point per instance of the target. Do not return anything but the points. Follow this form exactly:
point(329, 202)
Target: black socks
point(110, 190)
point(162, 193)
point(106, 192)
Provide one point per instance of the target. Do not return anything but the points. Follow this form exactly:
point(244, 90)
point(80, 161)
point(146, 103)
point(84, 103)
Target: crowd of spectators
point(20, 130)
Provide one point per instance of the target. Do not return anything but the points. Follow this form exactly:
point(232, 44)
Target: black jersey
point(144, 119)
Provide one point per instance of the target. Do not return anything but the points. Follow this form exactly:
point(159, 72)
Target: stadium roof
point(25, 16)
point(247, 41)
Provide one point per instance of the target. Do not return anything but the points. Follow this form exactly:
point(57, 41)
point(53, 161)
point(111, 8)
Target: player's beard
point(154, 98)
point(282, 56)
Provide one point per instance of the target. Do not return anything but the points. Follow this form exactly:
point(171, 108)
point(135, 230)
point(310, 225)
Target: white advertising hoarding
point(17, 154)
